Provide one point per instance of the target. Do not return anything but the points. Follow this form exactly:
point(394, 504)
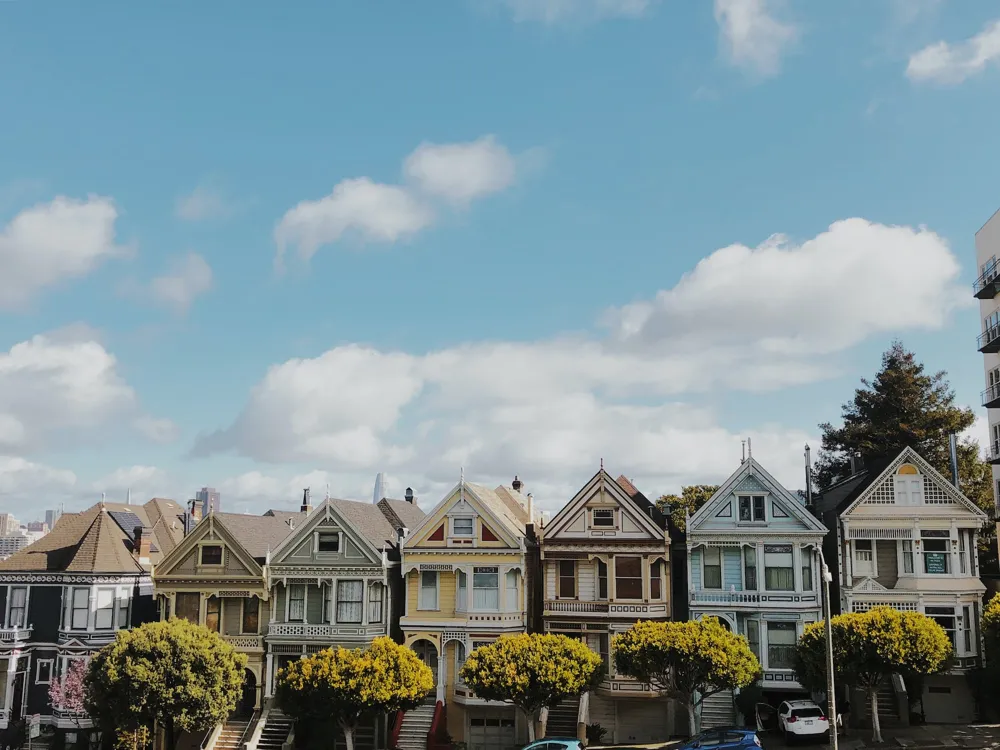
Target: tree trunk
point(876, 726)
point(170, 736)
point(531, 724)
point(692, 719)
point(348, 737)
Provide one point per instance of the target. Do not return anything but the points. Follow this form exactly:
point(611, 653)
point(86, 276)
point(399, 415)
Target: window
point(936, 556)
point(428, 590)
point(907, 556)
point(628, 578)
point(807, 577)
point(485, 588)
point(602, 580)
point(328, 603)
point(462, 526)
point(752, 508)
point(80, 615)
point(967, 629)
point(567, 579)
point(350, 601)
point(462, 596)
point(211, 554)
point(779, 574)
point(123, 611)
point(963, 557)
point(864, 557)
point(781, 645)
point(251, 615)
point(213, 608)
point(43, 671)
point(459, 660)
point(713, 568)
point(753, 636)
point(104, 617)
point(603, 517)
point(945, 617)
point(375, 594)
point(328, 541)
point(512, 603)
point(188, 606)
point(655, 581)
point(750, 568)
point(908, 486)
point(18, 607)
point(604, 649)
point(297, 602)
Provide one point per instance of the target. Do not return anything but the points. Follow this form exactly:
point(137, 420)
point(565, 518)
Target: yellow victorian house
point(468, 571)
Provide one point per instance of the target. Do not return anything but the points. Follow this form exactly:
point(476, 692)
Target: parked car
point(723, 739)
point(801, 720)
point(555, 743)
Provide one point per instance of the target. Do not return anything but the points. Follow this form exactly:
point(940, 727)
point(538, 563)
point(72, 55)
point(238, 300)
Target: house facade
point(467, 576)
point(605, 565)
point(67, 595)
point(905, 537)
point(754, 564)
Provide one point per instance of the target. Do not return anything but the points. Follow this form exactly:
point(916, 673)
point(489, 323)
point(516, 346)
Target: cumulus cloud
point(206, 201)
point(559, 11)
point(375, 212)
point(950, 64)
point(748, 319)
point(753, 37)
point(52, 243)
point(157, 430)
point(186, 279)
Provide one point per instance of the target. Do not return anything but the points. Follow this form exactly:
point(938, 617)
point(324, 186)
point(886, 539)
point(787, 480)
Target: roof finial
point(749, 449)
point(743, 456)
point(103, 497)
point(327, 490)
point(128, 500)
point(602, 463)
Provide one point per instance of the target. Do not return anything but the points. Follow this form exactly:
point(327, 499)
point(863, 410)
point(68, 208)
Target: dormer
point(908, 485)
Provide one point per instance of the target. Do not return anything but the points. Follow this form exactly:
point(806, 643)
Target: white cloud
point(53, 242)
point(22, 480)
point(157, 430)
point(142, 480)
point(753, 37)
point(187, 278)
point(558, 11)
point(461, 172)
point(946, 63)
point(206, 201)
point(375, 212)
point(744, 319)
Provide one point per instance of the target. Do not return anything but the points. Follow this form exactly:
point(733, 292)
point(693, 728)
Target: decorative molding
point(74, 578)
point(323, 571)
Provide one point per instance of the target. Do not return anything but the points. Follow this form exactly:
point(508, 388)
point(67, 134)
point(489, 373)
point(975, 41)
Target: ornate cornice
point(74, 578)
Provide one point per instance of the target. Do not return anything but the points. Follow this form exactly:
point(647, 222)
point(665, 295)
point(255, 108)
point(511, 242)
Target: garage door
point(491, 730)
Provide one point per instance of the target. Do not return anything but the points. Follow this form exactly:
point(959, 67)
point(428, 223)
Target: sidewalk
point(925, 737)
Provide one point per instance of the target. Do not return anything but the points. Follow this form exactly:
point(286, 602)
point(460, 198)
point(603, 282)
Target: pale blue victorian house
point(754, 565)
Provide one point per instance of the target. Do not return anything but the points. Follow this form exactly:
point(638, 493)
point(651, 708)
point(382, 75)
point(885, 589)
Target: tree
point(679, 507)
point(870, 646)
point(902, 406)
point(178, 675)
point(986, 679)
point(68, 691)
point(686, 661)
point(531, 671)
point(348, 685)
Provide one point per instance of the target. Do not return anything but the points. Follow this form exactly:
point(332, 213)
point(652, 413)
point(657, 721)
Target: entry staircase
point(416, 726)
point(276, 728)
point(233, 734)
point(563, 718)
point(718, 710)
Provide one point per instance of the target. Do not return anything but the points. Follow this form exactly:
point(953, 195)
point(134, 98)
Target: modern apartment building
point(987, 291)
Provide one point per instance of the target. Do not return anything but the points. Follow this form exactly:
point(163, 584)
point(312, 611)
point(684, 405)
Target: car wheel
point(788, 737)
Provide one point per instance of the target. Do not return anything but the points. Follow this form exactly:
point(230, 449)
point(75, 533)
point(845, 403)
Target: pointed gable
point(338, 532)
point(605, 508)
point(236, 561)
point(473, 516)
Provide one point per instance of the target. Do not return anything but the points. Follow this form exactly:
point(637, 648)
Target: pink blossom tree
point(66, 692)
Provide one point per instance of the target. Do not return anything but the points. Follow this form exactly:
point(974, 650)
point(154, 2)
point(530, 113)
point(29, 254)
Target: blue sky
point(491, 194)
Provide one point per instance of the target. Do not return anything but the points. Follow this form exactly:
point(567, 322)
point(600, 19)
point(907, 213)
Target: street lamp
point(831, 699)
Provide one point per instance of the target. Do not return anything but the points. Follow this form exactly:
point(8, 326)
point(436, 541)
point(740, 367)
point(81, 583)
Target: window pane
point(463, 526)
point(187, 606)
point(512, 589)
point(628, 578)
point(485, 588)
point(328, 542)
point(296, 602)
point(428, 590)
point(375, 603)
point(602, 580)
point(567, 579)
point(211, 555)
point(212, 609)
point(781, 645)
point(105, 616)
point(603, 517)
point(654, 580)
point(251, 615)
point(350, 601)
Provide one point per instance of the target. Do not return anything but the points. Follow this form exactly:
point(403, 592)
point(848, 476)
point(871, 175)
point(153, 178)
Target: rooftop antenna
point(743, 458)
point(750, 455)
point(809, 478)
point(461, 484)
point(128, 499)
point(327, 490)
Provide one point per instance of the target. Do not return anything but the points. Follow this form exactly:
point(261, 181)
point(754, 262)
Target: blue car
point(735, 738)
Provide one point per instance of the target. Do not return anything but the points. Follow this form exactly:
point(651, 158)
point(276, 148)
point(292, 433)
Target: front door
point(427, 653)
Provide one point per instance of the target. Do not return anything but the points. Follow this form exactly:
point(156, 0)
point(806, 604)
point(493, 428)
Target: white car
point(802, 719)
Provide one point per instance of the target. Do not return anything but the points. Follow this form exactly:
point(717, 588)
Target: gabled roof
point(217, 524)
point(650, 508)
point(750, 467)
point(259, 535)
point(505, 506)
point(622, 492)
point(91, 541)
point(400, 513)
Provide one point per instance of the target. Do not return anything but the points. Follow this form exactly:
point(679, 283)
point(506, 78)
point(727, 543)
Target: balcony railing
point(991, 396)
point(993, 452)
point(987, 285)
point(15, 635)
point(311, 630)
point(779, 599)
point(97, 636)
point(989, 340)
point(576, 607)
point(246, 642)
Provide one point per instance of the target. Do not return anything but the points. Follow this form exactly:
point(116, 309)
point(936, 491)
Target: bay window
point(187, 605)
point(781, 641)
point(655, 581)
point(628, 578)
point(779, 573)
point(945, 617)
point(428, 590)
point(350, 601)
point(567, 579)
point(297, 602)
point(936, 552)
point(104, 617)
point(750, 568)
point(712, 567)
point(375, 594)
point(18, 607)
point(80, 608)
point(486, 588)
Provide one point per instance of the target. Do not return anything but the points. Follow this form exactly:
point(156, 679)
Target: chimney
point(194, 514)
point(517, 484)
point(142, 541)
point(809, 478)
point(953, 451)
point(402, 534)
point(408, 495)
point(306, 507)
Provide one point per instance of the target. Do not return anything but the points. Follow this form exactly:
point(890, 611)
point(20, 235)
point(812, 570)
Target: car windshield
point(807, 713)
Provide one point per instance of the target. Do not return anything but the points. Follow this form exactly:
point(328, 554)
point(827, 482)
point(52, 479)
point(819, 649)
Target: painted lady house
point(467, 569)
point(905, 537)
point(753, 564)
point(65, 596)
point(606, 564)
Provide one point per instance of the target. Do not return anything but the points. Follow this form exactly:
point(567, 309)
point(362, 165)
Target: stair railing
point(212, 737)
point(250, 725)
point(259, 728)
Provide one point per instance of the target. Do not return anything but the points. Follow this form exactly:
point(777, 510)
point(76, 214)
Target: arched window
point(909, 485)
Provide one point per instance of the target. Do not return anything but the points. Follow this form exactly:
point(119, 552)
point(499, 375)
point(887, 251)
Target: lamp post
point(831, 698)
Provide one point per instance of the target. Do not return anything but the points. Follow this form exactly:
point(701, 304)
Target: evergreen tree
point(678, 507)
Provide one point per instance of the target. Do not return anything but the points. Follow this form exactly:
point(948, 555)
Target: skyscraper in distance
point(379, 492)
point(209, 499)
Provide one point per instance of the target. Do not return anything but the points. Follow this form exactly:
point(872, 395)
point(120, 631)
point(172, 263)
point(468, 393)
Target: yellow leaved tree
point(686, 661)
point(346, 686)
point(531, 671)
point(870, 646)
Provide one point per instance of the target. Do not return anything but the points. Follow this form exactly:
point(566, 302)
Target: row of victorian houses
point(480, 565)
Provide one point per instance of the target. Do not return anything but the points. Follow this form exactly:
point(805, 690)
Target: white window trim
point(91, 603)
point(211, 543)
point(305, 601)
point(765, 495)
point(854, 559)
point(615, 519)
point(114, 607)
point(455, 533)
point(437, 592)
point(472, 588)
point(722, 570)
point(10, 600)
point(38, 671)
point(340, 542)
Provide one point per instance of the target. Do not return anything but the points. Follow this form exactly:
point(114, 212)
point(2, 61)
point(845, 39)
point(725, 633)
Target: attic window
point(462, 526)
point(328, 542)
point(211, 554)
point(604, 517)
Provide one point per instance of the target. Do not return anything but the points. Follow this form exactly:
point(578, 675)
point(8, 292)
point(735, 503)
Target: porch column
point(269, 676)
point(442, 673)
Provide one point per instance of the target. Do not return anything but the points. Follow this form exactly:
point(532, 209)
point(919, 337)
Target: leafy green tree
point(181, 676)
point(870, 646)
point(678, 507)
point(902, 406)
point(346, 686)
point(686, 661)
point(531, 671)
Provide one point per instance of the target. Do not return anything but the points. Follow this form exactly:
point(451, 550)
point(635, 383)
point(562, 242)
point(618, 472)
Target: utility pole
point(831, 698)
